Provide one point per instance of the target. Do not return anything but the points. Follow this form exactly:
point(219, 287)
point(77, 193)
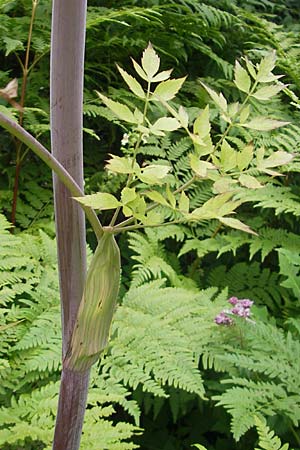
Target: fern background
point(170, 378)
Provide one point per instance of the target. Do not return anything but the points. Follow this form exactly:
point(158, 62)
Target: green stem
point(21, 115)
point(26, 138)
point(136, 147)
point(155, 205)
point(186, 185)
point(232, 123)
point(216, 231)
point(36, 60)
point(296, 436)
point(119, 229)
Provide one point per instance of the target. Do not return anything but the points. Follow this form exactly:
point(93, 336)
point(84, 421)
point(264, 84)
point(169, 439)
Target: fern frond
point(152, 259)
point(91, 110)
point(281, 199)
point(286, 139)
point(267, 361)
point(267, 438)
point(289, 263)
point(268, 239)
point(97, 429)
point(150, 255)
point(249, 281)
point(32, 416)
point(157, 336)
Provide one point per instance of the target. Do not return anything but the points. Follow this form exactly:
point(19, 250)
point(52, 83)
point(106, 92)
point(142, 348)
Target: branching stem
point(136, 147)
point(25, 70)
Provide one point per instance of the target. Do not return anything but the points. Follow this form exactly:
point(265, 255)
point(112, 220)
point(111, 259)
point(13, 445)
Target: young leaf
point(197, 140)
point(267, 92)
point(250, 67)
point(211, 208)
point(202, 124)
point(170, 196)
point(237, 224)
point(152, 218)
point(276, 159)
point(132, 83)
point(121, 165)
point(245, 157)
point(272, 173)
point(266, 66)
point(184, 203)
point(228, 208)
point(150, 62)
point(138, 115)
point(244, 114)
point(128, 195)
point(249, 181)
point(166, 90)
point(183, 117)
point(223, 184)
point(264, 124)
point(165, 124)
point(241, 78)
point(162, 76)
point(127, 211)
point(269, 78)
point(233, 109)
point(120, 110)
point(219, 99)
point(203, 146)
point(157, 197)
point(200, 167)
point(137, 207)
point(139, 70)
point(153, 174)
point(228, 156)
point(260, 154)
point(99, 201)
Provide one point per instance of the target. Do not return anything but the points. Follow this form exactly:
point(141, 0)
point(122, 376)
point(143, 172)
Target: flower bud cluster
point(241, 308)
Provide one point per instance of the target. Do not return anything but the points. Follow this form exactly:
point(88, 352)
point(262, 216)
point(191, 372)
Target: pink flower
point(223, 319)
point(241, 309)
point(246, 303)
point(233, 300)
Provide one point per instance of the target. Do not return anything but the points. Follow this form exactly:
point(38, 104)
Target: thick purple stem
point(67, 62)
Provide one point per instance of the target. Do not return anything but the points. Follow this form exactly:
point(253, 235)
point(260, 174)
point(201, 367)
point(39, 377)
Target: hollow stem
point(27, 139)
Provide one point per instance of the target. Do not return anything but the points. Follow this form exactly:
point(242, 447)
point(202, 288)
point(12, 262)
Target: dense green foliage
point(171, 377)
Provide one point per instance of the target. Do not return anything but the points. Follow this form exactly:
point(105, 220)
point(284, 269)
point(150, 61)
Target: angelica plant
point(153, 187)
point(153, 191)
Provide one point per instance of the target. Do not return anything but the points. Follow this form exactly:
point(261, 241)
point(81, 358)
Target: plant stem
point(26, 138)
point(232, 123)
point(21, 115)
point(15, 193)
point(216, 231)
point(118, 229)
point(186, 185)
point(296, 436)
point(155, 205)
point(66, 100)
point(136, 147)
point(26, 64)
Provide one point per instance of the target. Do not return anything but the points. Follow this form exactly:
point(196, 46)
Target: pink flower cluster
point(241, 308)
